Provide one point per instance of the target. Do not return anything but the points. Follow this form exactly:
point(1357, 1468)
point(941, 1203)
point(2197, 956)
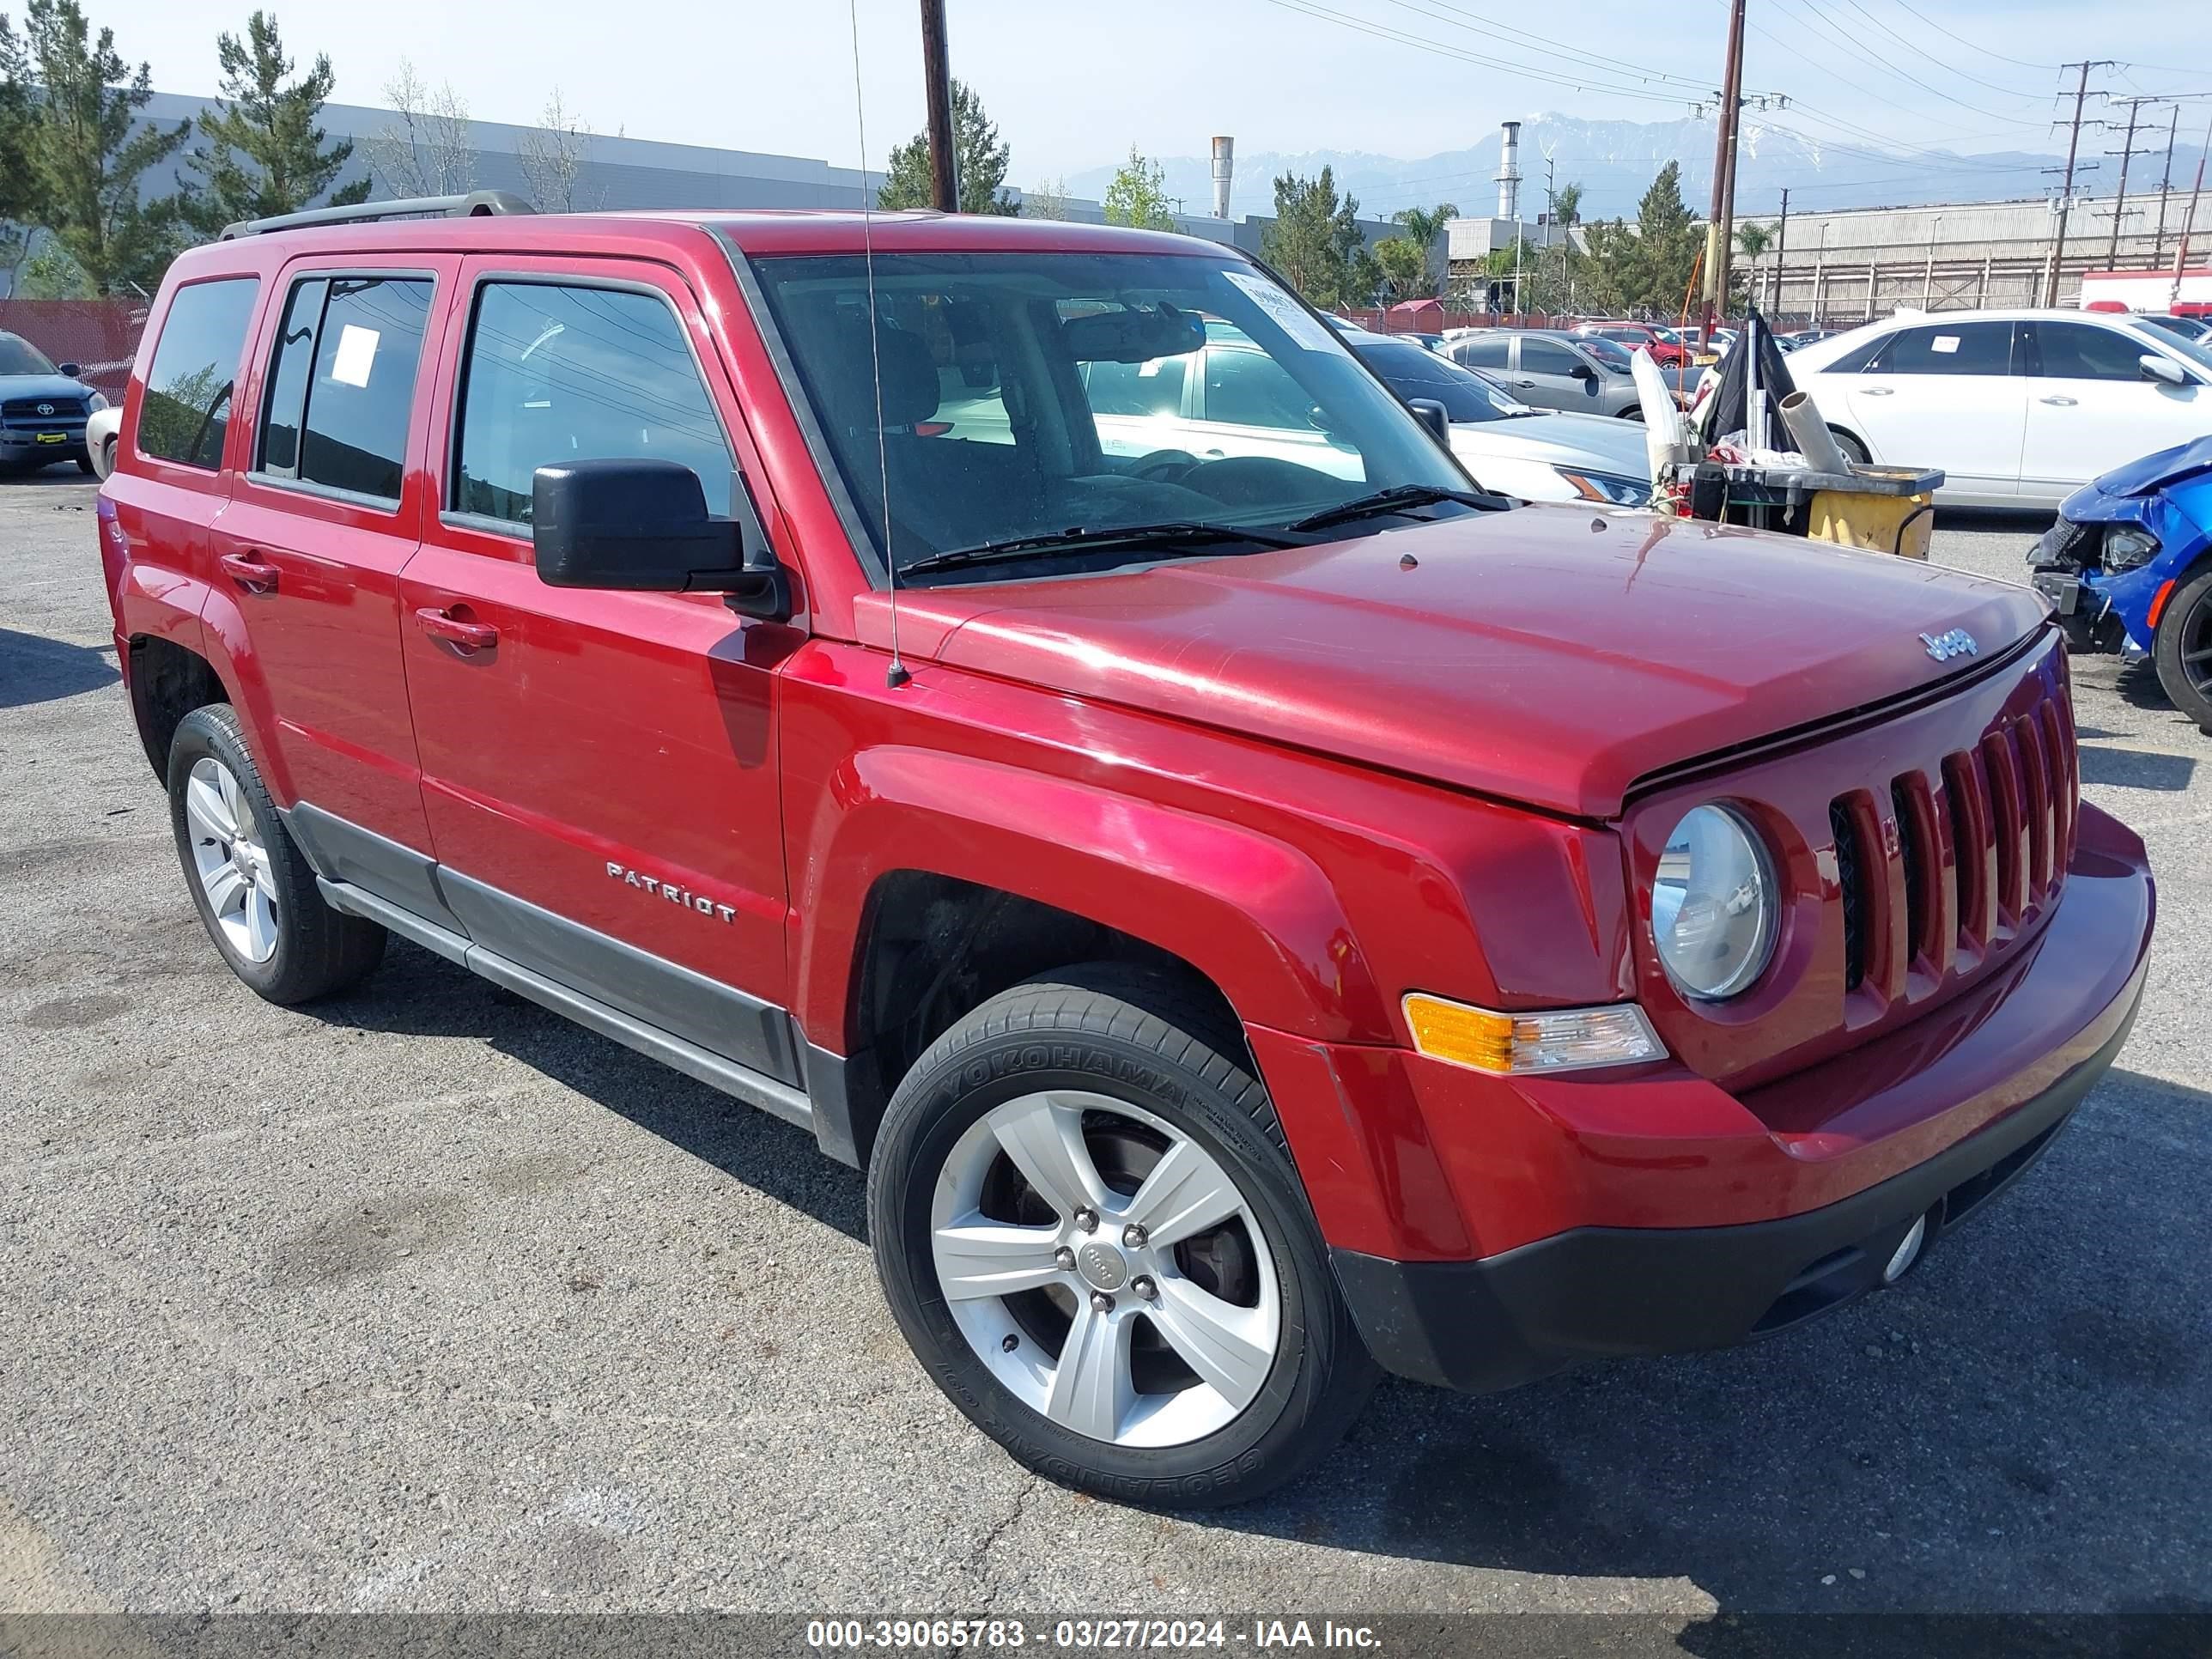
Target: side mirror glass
point(2155, 368)
point(1433, 415)
point(71, 371)
point(642, 526)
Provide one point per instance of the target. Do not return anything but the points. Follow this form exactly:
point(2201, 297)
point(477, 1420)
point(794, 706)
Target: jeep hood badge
point(1956, 643)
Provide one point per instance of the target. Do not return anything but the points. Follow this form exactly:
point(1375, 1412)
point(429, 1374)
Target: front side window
point(1542, 357)
point(1412, 373)
point(2082, 351)
point(186, 411)
point(1086, 350)
point(1956, 348)
point(557, 373)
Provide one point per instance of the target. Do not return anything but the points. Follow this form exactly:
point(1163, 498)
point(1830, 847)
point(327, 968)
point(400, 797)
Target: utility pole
point(2066, 190)
point(1781, 250)
point(937, 82)
point(1716, 229)
point(2127, 152)
point(2189, 219)
point(2165, 184)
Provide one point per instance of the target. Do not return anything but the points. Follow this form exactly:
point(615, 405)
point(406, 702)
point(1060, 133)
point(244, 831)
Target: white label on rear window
point(1944, 342)
point(356, 352)
point(1295, 321)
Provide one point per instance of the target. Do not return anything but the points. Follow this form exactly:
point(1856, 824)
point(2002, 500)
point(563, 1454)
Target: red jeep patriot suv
point(1257, 912)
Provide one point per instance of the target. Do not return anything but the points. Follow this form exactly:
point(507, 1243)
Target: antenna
point(898, 676)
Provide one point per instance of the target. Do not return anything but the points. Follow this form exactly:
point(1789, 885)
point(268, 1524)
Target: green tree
point(1424, 226)
point(85, 160)
point(1405, 267)
point(18, 195)
point(50, 274)
point(1316, 244)
point(262, 153)
point(979, 157)
point(1138, 197)
point(1649, 266)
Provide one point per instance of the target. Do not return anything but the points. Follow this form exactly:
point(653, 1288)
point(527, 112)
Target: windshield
point(2195, 350)
point(19, 356)
point(1410, 372)
point(1031, 394)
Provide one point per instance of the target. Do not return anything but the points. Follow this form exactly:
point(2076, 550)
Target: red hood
point(1549, 655)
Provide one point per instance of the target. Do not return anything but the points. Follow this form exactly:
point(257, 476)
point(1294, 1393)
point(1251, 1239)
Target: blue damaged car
point(2129, 566)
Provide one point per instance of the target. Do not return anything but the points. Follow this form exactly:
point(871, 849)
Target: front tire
point(1089, 1230)
point(253, 888)
point(2182, 649)
point(1854, 450)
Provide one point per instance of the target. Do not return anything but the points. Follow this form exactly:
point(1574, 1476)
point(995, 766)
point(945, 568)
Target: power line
point(1837, 32)
point(2010, 91)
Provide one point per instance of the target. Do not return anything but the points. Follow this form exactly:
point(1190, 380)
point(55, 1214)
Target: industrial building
point(1835, 269)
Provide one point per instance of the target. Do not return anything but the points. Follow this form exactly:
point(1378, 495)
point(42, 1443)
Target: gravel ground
point(425, 1299)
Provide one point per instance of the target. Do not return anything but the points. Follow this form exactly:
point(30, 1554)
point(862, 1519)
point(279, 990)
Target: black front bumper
point(1600, 1292)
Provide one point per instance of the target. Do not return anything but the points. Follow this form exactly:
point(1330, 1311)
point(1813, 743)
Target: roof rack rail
point(474, 203)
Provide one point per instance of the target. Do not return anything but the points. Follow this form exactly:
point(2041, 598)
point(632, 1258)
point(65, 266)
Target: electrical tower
point(2066, 189)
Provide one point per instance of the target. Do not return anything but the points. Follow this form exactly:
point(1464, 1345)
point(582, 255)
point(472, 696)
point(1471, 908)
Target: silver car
point(1552, 371)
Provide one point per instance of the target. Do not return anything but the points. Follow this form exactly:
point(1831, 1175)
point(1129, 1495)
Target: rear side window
point(343, 384)
point(2082, 351)
point(557, 373)
point(1147, 388)
point(1486, 351)
point(186, 409)
point(1959, 348)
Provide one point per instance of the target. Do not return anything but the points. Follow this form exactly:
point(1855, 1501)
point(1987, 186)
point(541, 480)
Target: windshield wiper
point(1396, 499)
point(1090, 535)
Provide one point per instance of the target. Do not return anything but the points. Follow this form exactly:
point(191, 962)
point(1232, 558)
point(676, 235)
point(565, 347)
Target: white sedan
point(2019, 408)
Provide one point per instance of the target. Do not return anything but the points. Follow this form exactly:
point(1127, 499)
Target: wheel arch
point(167, 682)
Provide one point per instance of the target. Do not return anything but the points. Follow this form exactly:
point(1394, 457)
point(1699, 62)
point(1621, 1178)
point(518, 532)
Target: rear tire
point(1201, 1368)
point(2182, 649)
point(255, 889)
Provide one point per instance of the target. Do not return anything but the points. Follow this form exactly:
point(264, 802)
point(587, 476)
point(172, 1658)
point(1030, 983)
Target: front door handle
point(255, 575)
point(1877, 390)
point(2063, 403)
point(470, 635)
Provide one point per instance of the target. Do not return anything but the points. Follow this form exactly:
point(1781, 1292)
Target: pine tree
point(1316, 245)
point(84, 159)
point(981, 163)
point(262, 153)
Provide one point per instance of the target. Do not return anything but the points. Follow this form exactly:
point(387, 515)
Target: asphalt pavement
point(425, 1299)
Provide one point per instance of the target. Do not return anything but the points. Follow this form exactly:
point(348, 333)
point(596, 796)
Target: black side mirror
point(71, 371)
point(1433, 415)
point(642, 526)
point(1585, 372)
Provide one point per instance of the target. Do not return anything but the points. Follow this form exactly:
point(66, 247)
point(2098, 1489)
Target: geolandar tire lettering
point(1090, 1232)
point(255, 889)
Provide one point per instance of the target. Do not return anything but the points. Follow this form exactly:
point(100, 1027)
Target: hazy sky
point(1072, 86)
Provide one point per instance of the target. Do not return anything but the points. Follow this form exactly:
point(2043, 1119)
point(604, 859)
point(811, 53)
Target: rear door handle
point(255, 575)
point(2063, 403)
point(472, 636)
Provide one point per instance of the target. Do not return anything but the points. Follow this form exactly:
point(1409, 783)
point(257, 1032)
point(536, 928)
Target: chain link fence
point(100, 335)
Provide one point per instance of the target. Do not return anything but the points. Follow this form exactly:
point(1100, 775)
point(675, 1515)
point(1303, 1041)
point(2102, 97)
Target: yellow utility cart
point(1884, 509)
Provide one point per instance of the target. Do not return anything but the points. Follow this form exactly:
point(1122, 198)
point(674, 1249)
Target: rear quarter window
point(185, 412)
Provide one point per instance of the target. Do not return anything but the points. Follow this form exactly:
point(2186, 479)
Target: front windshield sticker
point(1301, 325)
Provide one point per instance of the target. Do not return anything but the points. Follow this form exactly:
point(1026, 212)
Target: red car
point(1259, 913)
point(1665, 346)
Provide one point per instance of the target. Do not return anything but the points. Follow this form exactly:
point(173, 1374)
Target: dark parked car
point(43, 409)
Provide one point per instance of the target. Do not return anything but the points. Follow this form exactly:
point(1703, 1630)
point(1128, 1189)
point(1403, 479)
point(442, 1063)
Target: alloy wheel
point(231, 861)
point(2196, 645)
point(1106, 1269)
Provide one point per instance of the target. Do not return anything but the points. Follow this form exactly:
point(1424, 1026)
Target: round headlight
point(1714, 906)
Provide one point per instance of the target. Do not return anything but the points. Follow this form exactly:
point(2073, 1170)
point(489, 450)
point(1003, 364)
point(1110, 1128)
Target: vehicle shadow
point(419, 994)
point(35, 669)
point(2018, 1426)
